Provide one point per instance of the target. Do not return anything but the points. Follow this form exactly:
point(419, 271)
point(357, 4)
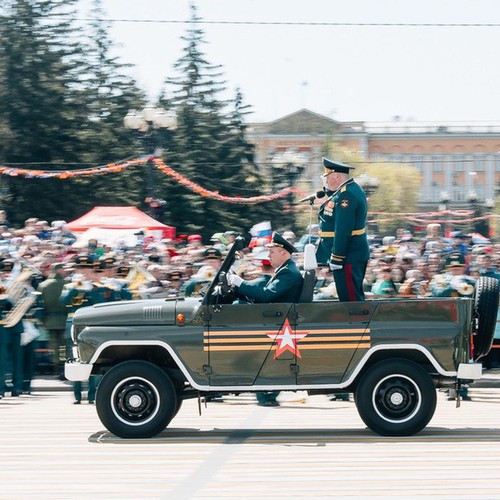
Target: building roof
point(300, 122)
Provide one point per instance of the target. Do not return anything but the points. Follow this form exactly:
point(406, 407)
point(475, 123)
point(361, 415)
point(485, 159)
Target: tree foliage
point(61, 106)
point(63, 97)
point(397, 191)
point(209, 145)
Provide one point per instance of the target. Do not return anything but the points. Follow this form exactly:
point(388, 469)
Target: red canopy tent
point(119, 218)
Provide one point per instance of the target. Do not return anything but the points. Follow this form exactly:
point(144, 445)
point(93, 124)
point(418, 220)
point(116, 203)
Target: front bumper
point(76, 371)
point(470, 371)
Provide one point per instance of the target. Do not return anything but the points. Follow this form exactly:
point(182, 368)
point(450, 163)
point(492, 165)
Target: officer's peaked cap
point(279, 241)
point(212, 253)
point(455, 260)
point(336, 166)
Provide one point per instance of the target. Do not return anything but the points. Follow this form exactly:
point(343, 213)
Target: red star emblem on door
point(286, 340)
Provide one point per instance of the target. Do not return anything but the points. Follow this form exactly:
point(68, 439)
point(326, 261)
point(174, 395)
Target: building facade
point(459, 162)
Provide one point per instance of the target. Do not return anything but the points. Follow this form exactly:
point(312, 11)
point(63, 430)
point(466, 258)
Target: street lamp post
point(148, 124)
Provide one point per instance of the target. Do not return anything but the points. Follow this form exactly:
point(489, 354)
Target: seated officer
point(453, 282)
point(212, 260)
point(284, 286)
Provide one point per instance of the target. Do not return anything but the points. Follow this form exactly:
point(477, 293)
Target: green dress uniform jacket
point(284, 286)
point(342, 231)
point(54, 310)
point(342, 226)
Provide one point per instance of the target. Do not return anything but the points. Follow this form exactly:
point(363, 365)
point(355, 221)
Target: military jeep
point(392, 354)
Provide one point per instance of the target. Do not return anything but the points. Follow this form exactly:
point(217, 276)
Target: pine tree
point(245, 179)
point(209, 146)
point(107, 96)
point(38, 88)
point(62, 103)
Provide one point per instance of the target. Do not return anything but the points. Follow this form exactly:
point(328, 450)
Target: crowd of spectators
point(402, 265)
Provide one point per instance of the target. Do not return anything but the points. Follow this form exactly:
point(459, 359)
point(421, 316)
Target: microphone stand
point(311, 204)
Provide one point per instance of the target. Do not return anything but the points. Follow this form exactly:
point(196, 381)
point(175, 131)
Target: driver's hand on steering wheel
point(234, 280)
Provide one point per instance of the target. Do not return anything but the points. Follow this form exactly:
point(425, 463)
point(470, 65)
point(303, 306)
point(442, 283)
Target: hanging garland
point(112, 168)
point(196, 188)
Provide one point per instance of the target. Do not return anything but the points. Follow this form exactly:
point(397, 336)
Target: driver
point(284, 286)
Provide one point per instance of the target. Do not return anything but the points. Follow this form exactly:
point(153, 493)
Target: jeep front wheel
point(136, 399)
point(396, 398)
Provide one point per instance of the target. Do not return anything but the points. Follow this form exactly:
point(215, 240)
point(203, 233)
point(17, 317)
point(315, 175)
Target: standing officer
point(342, 230)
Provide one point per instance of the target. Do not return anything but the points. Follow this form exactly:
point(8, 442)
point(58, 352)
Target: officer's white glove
point(234, 279)
point(334, 267)
point(457, 282)
point(461, 286)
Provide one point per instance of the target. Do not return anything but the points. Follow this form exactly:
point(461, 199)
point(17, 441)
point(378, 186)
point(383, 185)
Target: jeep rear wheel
point(396, 398)
point(486, 308)
point(136, 399)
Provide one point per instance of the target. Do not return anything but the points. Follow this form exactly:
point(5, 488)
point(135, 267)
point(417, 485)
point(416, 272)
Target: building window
point(478, 163)
point(416, 161)
point(437, 163)
point(458, 163)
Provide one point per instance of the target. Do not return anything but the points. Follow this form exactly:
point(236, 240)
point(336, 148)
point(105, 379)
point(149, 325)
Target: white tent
point(109, 237)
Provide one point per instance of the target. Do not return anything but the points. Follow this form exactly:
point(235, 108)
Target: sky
point(368, 73)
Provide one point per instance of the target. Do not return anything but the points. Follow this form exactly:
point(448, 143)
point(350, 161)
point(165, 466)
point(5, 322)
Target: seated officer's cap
point(455, 260)
point(212, 253)
point(336, 166)
point(279, 241)
point(122, 270)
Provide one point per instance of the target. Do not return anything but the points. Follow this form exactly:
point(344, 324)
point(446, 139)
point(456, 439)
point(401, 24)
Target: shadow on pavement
point(297, 437)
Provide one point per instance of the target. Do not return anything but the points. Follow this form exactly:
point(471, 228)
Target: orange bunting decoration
point(160, 165)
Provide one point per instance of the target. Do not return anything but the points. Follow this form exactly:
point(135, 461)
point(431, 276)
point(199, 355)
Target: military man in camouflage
point(342, 229)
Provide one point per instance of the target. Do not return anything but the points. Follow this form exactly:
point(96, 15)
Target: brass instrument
point(22, 295)
point(20, 309)
point(16, 289)
point(136, 277)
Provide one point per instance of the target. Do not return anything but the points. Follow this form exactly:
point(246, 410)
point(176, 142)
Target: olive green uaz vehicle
point(391, 353)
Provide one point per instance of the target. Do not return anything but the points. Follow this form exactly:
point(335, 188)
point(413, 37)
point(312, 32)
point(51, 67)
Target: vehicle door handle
point(272, 314)
point(363, 312)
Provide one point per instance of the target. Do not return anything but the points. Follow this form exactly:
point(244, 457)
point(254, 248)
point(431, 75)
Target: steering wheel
point(225, 287)
point(229, 292)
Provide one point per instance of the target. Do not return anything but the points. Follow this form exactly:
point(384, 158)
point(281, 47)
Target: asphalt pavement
point(305, 448)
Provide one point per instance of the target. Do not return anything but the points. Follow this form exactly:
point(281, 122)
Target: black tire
point(486, 309)
point(136, 399)
point(396, 398)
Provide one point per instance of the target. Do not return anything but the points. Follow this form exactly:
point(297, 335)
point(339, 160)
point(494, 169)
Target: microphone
point(312, 197)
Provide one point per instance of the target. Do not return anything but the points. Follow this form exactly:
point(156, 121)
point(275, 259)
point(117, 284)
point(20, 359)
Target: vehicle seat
point(309, 273)
point(308, 286)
